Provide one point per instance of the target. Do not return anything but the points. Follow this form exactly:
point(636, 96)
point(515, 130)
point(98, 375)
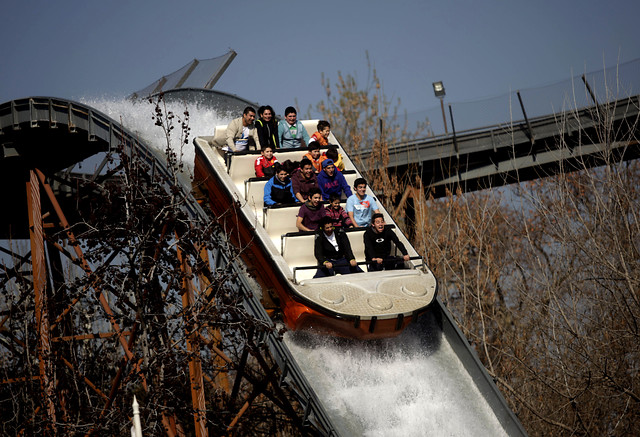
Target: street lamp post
point(438, 90)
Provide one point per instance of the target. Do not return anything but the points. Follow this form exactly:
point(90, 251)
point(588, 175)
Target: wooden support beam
point(85, 265)
point(40, 292)
point(193, 348)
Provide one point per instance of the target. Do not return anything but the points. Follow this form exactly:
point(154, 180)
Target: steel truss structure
point(518, 151)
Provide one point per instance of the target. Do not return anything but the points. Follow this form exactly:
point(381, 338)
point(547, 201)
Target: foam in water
point(413, 385)
point(136, 116)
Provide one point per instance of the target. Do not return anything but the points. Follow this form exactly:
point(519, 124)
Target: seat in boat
point(297, 249)
point(280, 220)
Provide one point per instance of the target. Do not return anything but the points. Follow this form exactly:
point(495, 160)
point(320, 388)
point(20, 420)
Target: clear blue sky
point(72, 49)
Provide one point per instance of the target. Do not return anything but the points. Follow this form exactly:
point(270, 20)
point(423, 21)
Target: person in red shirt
point(264, 163)
point(337, 214)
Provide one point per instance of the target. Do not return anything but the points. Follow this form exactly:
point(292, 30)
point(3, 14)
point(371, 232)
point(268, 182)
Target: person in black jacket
point(267, 127)
point(333, 251)
point(377, 246)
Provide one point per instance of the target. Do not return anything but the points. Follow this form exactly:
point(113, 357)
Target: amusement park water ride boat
point(364, 305)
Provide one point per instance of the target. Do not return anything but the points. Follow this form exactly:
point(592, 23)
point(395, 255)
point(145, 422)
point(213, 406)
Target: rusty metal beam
point(89, 336)
point(40, 292)
point(21, 379)
point(84, 264)
point(57, 292)
point(193, 348)
point(86, 380)
point(222, 379)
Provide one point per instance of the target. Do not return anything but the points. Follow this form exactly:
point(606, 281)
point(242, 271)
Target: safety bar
point(412, 258)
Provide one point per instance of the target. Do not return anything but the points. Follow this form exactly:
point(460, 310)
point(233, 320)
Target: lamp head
point(438, 89)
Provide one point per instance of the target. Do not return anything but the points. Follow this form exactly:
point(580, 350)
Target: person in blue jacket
point(331, 181)
point(278, 189)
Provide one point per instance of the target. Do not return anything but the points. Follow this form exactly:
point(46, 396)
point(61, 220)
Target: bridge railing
point(604, 85)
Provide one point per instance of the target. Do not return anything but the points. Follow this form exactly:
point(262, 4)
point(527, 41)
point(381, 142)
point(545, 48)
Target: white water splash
point(137, 118)
point(408, 386)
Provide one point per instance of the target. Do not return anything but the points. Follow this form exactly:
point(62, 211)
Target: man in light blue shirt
point(361, 206)
point(291, 133)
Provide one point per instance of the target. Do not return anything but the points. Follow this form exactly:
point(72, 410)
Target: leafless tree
point(137, 304)
point(543, 277)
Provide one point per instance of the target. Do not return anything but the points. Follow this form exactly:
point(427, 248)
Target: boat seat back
point(311, 126)
point(292, 155)
point(282, 220)
point(350, 177)
point(357, 243)
point(254, 194)
point(297, 249)
point(219, 136)
point(241, 166)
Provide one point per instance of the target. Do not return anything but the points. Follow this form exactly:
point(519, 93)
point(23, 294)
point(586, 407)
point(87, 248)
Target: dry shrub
point(544, 280)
